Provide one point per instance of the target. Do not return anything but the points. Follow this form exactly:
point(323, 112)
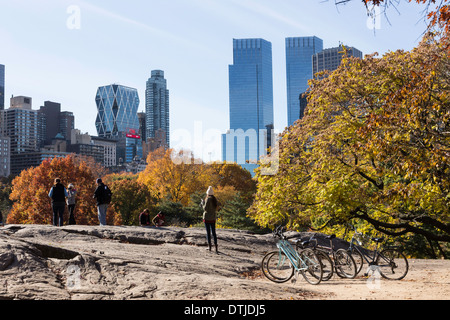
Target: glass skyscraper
point(157, 106)
point(251, 102)
point(117, 119)
point(2, 87)
point(299, 53)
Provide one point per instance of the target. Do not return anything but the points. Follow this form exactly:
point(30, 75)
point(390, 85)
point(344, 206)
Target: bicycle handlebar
point(278, 232)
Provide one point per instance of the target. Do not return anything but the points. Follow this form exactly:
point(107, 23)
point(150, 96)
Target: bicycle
point(279, 266)
point(391, 262)
point(332, 260)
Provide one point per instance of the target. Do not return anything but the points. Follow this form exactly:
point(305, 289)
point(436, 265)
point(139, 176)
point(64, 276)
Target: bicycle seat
point(330, 237)
point(377, 240)
point(303, 243)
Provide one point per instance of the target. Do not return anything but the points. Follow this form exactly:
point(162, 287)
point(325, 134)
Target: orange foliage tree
point(30, 191)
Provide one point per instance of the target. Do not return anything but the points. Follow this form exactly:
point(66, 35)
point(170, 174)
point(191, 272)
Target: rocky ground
point(124, 263)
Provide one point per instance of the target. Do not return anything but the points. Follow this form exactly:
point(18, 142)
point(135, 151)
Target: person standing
point(210, 205)
point(71, 201)
point(103, 196)
point(58, 194)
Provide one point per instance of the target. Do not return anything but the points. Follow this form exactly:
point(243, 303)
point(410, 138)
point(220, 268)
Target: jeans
point(71, 208)
point(58, 213)
point(211, 228)
point(101, 208)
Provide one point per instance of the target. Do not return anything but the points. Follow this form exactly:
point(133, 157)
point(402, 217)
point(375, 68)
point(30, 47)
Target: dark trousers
point(58, 213)
point(211, 229)
point(71, 208)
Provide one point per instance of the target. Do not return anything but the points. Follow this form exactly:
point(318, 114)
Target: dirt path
point(426, 280)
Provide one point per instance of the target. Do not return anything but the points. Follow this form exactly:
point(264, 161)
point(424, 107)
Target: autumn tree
point(374, 146)
point(179, 181)
point(30, 190)
point(174, 175)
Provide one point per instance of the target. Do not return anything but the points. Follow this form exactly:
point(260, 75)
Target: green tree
point(233, 215)
point(130, 197)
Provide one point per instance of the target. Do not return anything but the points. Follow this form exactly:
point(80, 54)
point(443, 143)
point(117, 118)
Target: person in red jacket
point(159, 220)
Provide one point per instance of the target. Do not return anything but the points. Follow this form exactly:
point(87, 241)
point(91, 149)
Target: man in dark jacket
point(58, 195)
point(102, 201)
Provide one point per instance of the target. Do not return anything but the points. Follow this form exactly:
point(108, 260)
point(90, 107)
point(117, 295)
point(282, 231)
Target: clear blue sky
point(191, 40)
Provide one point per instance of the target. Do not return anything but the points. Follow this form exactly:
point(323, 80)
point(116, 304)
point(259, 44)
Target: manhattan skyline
point(50, 58)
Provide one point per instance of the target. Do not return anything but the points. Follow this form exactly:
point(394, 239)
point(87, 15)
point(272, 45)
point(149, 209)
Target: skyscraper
point(251, 102)
point(330, 59)
point(117, 107)
point(157, 106)
point(299, 52)
point(2, 87)
point(20, 124)
point(117, 119)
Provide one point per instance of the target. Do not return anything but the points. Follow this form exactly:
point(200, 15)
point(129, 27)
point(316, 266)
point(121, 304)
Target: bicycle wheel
point(344, 264)
point(393, 264)
point(358, 258)
point(327, 265)
point(277, 267)
point(310, 266)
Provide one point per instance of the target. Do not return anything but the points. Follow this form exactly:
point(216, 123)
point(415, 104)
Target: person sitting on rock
point(144, 218)
point(159, 219)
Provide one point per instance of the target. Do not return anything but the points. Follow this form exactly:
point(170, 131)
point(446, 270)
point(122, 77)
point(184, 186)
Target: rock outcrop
point(116, 262)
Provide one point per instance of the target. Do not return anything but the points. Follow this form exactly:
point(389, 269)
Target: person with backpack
point(103, 195)
point(58, 194)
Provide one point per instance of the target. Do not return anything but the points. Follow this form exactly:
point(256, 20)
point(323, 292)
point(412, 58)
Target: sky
point(63, 50)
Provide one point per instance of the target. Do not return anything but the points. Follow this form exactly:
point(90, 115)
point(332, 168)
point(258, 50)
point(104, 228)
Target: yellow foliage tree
point(374, 146)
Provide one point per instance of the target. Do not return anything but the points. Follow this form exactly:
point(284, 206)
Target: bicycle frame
point(295, 259)
point(353, 245)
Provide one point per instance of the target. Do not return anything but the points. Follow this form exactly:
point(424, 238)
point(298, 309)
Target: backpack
point(107, 195)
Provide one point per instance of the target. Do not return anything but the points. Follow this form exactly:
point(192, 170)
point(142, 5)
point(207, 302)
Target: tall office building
point(157, 106)
point(251, 102)
point(299, 52)
point(117, 119)
point(330, 59)
point(53, 122)
point(2, 87)
point(20, 124)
